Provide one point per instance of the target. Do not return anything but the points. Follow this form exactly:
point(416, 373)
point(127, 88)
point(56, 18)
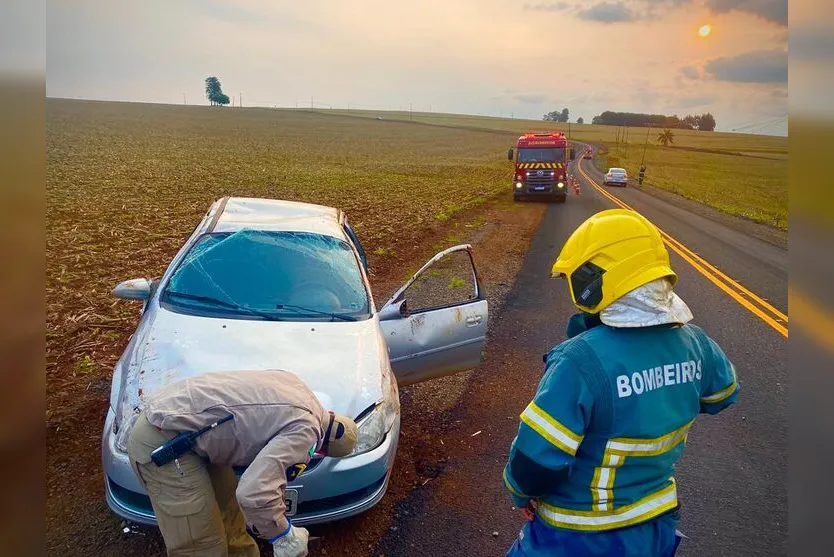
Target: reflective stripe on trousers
point(655, 538)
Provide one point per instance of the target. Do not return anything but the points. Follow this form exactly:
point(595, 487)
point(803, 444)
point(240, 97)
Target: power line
point(761, 124)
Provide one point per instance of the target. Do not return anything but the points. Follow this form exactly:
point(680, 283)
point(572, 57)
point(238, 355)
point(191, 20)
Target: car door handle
point(473, 320)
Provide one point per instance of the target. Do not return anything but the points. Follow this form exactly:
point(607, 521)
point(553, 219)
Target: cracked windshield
point(269, 275)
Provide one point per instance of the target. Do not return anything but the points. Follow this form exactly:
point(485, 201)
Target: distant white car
point(616, 177)
point(265, 284)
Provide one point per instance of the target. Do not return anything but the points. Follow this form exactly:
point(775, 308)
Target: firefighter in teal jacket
point(593, 462)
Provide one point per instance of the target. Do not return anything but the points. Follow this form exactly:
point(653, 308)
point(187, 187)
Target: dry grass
point(126, 184)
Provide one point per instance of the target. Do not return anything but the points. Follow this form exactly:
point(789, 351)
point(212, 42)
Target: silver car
point(616, 177)
point(264, 284)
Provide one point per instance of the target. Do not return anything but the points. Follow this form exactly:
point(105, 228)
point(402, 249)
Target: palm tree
point(666, 137)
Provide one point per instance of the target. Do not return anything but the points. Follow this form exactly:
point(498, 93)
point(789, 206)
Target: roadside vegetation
point(741, 174)
point(752, 184)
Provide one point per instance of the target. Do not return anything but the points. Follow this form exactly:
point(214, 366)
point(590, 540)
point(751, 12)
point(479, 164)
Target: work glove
point(294, 544)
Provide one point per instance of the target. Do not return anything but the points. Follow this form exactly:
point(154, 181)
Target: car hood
point(344, 363)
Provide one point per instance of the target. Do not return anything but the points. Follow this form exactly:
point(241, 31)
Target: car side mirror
point(133, 289)
point(510, 155)
point(394, 310)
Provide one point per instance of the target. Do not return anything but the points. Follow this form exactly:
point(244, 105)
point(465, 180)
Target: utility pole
point(311, 103)
point(646, 144)
point(183, 99)
point(626, 141)
point(240, 104)
point(568, 130)
point(411, 111)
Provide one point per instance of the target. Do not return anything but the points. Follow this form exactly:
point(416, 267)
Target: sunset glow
point(705, 30)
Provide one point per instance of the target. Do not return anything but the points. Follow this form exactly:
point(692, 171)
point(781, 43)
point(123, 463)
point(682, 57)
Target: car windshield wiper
point(299, 309)
point(222, 303)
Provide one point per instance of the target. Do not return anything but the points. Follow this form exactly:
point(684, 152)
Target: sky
point(490, 57)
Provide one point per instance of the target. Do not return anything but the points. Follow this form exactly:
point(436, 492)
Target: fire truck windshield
point(556, 154)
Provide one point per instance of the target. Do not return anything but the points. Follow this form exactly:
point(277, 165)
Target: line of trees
point(214, 93)
point(703, 122)
point(557, 116)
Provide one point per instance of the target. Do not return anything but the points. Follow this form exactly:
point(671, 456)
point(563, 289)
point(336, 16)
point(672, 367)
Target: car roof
point(232, 214)
point(616, 169)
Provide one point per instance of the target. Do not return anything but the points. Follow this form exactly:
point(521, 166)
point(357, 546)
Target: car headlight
point(518, 185)
point(373, 427)
point(561, 184)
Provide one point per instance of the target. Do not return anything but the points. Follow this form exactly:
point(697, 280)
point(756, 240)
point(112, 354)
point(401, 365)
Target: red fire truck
point(541, 166)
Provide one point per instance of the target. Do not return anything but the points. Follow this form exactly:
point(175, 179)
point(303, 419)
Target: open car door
point(436, 324)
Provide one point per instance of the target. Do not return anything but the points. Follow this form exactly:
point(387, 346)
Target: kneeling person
point(267, 421)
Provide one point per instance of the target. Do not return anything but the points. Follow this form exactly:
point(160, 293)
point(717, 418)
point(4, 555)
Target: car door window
point(448, 282)
point(436, 324)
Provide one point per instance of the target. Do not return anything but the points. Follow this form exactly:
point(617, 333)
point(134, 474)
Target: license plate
point(539, 188)
point(291, 501)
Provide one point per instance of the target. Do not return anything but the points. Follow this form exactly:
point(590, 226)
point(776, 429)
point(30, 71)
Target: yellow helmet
point(609, 255)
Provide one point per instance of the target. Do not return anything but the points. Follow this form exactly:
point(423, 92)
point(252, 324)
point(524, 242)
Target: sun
point(705, 30)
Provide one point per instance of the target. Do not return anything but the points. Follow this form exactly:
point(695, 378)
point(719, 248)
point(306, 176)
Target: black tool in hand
point(182, 443)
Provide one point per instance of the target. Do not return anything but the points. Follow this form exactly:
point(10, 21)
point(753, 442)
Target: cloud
point(692, 101)
point(608, 12)
point(529, 98)
point(618, 11)
point(771, 10)
point(547, 7)
point(763, 66)
point(690, 72)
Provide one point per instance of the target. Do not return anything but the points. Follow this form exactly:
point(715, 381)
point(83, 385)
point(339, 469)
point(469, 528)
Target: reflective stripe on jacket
point(610, 419)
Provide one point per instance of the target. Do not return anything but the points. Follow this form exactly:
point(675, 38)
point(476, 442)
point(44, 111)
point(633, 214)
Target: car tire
point(516, 197)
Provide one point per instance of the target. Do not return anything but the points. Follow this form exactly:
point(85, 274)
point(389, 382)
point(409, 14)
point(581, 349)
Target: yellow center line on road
point(732, 288)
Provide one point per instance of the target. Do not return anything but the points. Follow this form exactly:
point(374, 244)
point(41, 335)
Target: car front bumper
point(550, 190)
point(331, 490)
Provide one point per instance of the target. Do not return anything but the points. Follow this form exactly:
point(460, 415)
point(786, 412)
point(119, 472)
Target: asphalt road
point(732, 478)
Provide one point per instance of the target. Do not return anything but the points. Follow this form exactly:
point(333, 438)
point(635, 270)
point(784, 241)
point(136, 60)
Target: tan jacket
point(277, 419)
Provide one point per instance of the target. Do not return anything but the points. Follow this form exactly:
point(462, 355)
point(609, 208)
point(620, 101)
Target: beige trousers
point(194, 501)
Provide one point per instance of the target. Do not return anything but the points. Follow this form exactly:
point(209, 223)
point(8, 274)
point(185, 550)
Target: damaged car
point(265, 284)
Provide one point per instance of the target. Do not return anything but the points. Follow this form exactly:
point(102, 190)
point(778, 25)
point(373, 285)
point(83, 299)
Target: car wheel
point(516, 197)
